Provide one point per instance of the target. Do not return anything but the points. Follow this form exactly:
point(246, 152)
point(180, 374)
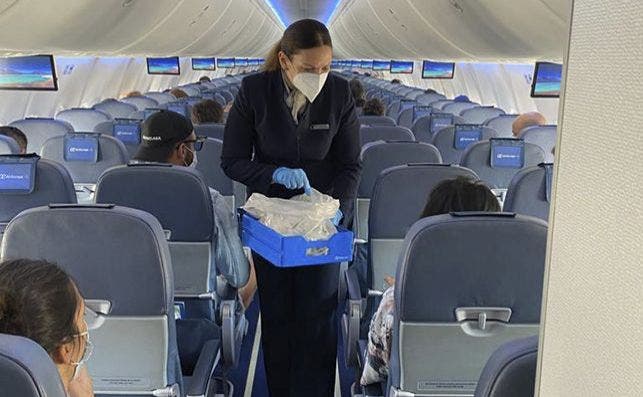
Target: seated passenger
point(168, 137)
point(527, 120)
point(178, 93)
point(39, 301)
point(461, 98)
point(204, 79)
point(373, 107)
point(357, 89)
point(453, 195)
point(207, 111)
point(430, 91)
point(132, 94)
point(17, 135)
point(396, 81)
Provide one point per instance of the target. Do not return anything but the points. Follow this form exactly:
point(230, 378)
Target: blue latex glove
point(337, 218)
point(292, 179)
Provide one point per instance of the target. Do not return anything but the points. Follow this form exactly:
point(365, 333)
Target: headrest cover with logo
point(81, 147)
point(18, 173)
point(507, 153)
point(127, 131)
point(465, 135)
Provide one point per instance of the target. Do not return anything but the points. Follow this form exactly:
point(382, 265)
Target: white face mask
point(195, 161)
point(310, 84)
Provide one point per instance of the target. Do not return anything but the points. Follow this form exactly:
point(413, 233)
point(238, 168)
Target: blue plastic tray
point(294, 251)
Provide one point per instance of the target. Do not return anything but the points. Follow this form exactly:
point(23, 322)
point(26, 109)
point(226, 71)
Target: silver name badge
point(316, 127)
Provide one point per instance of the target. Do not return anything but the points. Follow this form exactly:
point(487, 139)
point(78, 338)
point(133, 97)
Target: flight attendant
point(292, 127)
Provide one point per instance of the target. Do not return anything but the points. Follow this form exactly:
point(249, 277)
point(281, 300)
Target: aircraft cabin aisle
point(508, 125)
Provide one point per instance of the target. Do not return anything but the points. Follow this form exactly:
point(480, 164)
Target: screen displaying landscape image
point(28, 73)
point(402, 67)
point(240, 62)
point(367, 65)
point(203, 64)
point(546, 80)
point(381, 65)
point(225, 63)
point(437, 70)
point(163, 65)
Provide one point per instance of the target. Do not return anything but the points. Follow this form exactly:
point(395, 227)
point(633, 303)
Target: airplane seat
point(228, 95)
point(452, 141)
point(181, 107)
point(86, 157)
point(115, 108)
point(234, 90)
point(479, 115)
point(426, 127)
point(8, 145)
point(83, 119)
point(470, 300)
point(414, 94)
point(142, 102)
point(47, 182)
point(441, 103)
point(376, 133)
point(160, 97)
point(142, 115)
point(123, 270)
point(180, 199)
point(39, 129)
point(510, 156)
point(191, 90)
point(376, 120)
point(428, 98)
point(126, 130)
point(529, 192)
point(543, 136)
point(379, 156)
point(26, 370)
point(456, 108)
point(405, 118)
point(397, 201)
point(214, 176)
point(502, 124)
point(211, 130)
point(393, 109)
point(511, 370)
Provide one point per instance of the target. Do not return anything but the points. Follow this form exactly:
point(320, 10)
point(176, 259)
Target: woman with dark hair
point(373, 107)
point(453, 195)
point(357, 89)
point(207, 111)
point(39, 301)
point(293, 127)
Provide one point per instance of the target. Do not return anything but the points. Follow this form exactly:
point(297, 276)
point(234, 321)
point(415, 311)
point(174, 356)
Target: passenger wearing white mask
point(168, 137)
point(292, 128)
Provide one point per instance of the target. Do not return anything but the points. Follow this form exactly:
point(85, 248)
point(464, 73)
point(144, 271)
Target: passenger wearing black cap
point(168, 137)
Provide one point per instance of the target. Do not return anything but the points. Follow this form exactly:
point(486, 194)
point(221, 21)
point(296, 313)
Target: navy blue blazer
point(261, 136)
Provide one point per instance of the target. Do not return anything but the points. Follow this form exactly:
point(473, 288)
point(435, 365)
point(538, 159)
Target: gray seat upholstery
point(191, 90)
point(210, 130)
point(83, 119)
point(141, 102)
point(121, 263)
point(477, 157)
point(376, 133)
point(511, 370)
point(425, 127)
point(413, 94)
point(52, 185)
point(26, 370)
point(451, 150)
point(427, 99)
point(116, 109)
point(39, 129)
point(8, 145)
point(229, 97)
point(479, 115)
point(529, 192)
point(502, 124)
point(213, 175)
point(441, 103)
point(455, 306)
point(456, 108)
point(379, 156)
point(160, 97)
point(111, 128)
point(181, 107)
point(376, 120)
point(405, 118)
point(111, 152)
point(543, 136)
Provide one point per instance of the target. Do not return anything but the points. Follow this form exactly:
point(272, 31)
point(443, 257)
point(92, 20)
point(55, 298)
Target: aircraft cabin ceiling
point(138, 27)
point(456, 30)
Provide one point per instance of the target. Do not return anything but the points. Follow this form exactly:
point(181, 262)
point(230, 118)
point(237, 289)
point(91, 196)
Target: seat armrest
point(233, 329)
point(208, 360)
point(351, 318)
